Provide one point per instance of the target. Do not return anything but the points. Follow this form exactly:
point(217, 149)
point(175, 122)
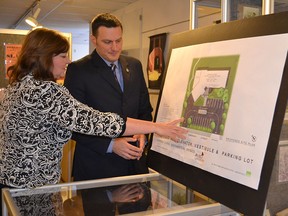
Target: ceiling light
point(32, 21)
point(38, 26)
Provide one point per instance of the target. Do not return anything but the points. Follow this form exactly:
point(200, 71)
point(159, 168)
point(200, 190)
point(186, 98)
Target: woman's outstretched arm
point(165, 129)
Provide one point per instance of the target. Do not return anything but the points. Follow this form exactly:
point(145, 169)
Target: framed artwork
point(11, 55)
point(156, 64)
point(248, 11)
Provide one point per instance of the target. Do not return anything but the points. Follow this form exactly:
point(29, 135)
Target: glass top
point(130, 195)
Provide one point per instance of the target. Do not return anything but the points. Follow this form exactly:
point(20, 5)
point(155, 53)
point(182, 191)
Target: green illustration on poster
point(208, 93)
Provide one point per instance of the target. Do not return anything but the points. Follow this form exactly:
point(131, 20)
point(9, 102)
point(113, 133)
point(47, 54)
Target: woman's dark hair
point(106, 20)
point(35, 57)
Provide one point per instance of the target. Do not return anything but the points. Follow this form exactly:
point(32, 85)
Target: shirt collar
point(109, 63)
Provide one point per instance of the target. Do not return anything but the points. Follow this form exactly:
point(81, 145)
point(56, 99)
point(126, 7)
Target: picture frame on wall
point(248, 11)
point(11, 54)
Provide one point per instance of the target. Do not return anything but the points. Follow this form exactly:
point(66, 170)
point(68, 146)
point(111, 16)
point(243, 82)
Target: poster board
point(247, 61)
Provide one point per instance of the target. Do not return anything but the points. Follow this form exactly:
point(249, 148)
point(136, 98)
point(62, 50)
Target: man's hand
point(141, 139)
point(124, 149)
point(128, 193)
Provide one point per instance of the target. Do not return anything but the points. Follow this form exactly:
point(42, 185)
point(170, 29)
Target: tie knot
point(113, 67)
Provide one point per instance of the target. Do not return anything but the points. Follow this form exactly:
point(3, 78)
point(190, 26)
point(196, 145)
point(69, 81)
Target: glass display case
point(147, 194)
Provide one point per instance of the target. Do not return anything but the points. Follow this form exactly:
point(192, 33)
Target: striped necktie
point(113, 69)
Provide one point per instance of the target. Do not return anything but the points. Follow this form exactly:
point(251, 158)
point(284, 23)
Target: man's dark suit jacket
point(91, 81)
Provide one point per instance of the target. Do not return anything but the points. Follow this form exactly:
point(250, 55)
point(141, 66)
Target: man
point(92, 81)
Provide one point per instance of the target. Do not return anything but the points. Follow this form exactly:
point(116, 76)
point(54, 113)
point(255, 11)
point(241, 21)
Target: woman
point(37, 115)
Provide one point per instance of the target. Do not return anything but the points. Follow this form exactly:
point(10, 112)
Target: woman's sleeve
point(78, 117)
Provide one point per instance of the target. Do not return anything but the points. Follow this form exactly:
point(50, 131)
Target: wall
point(79, 51)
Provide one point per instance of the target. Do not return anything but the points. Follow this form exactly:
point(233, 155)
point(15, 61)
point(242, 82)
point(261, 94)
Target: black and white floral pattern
point(48, 204)
point(36, 120)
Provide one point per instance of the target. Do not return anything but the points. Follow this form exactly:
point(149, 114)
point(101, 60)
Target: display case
point(147, 194)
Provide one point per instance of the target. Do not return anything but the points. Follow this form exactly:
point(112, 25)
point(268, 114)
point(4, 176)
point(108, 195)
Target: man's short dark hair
point(105, 19)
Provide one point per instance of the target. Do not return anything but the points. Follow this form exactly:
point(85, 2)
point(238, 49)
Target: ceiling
point(70, 16)
point(73, 16)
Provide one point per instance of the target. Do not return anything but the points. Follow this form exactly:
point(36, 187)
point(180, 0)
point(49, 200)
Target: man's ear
point(93, 39)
